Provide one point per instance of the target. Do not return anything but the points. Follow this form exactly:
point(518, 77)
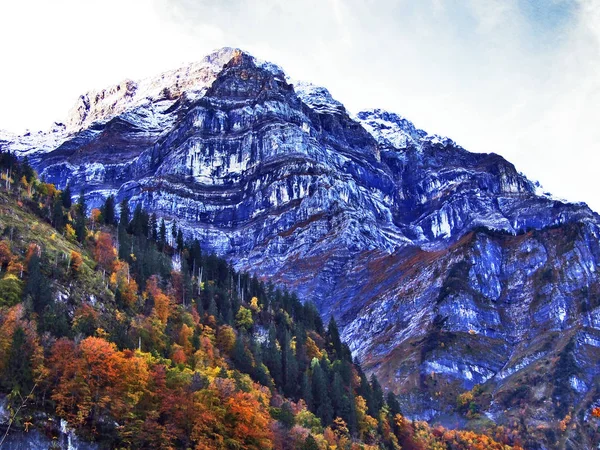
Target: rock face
point(445, 268)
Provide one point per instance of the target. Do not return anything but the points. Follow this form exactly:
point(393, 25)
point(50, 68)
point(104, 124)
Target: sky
point(516, 77)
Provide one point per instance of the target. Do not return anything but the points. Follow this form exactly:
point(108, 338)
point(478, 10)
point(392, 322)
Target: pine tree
point(393, 404)
point(289, 368)
point(272, 357)
point(124, 214)
point(162, 235)
point(241, 356)
point(18, 369)
point(66, 197)
point(174, 232)
point(152, 225)
point(212, 307)
point(286, 416)
point(37, 287)
point(333, 338)
point(26, 169)
point(306, 390)
point(108, 210)
point(58, 217)
point(179, 240)
point(377, 402)
point(80, 229)
point(321, 400)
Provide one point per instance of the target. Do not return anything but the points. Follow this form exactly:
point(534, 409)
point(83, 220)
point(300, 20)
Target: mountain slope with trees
point(137, 339)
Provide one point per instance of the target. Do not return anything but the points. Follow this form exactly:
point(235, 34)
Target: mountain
point(448, 271)
point(110, 337)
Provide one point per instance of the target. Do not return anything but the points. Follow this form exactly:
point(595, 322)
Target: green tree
point(58, 216)
point(11, 290)
point(333, 338)
point(124, 214)
point(108, 210)
point(162, 235)
point(286, 415)
point(241, 356)
point(37, 287)
point(65, 197)
point(80, 229)
point(243, 319)
point(18, 372)
point(310, 443)
point(289, 367)
point(322, 402)
point(377, 397)
point(272, 357)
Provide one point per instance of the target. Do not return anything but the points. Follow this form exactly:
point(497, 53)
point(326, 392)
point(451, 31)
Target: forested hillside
point(111, 320)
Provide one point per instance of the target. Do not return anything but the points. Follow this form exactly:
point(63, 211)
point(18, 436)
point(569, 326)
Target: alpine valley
point(468, 291)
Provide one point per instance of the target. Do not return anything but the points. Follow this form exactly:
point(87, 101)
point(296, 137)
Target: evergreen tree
point(195, 256)
point(241, 356)
point(377, 397)
point(272, 357)
point(65, 197)
point(212, 307)
point(179, 240)
point(321, 400)
point(18, 366)
point(289, 368)
point(124, 214)
point(333, 338)
point(337, 394)
point(393, 405)
point(37, 287)
point(306, 389)
point(139, 225)
point(162, 235)
point(364, 390)
point(286, 416)
point(310, 443)
point(108, 210)
point(26, 169)
point(153, 232)
point(80, 229)
point(58, 216)
point(174, 232)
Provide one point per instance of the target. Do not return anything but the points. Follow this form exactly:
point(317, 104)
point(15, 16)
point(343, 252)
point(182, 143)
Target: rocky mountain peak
point(192, 79)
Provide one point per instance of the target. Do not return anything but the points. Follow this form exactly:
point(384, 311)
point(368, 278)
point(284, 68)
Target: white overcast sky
point(517, 77)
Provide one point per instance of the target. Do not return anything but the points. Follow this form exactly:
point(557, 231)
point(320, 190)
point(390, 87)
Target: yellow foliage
point(70, 233)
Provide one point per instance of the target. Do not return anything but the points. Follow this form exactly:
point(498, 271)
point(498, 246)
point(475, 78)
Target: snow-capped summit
point(158, 92)
point(391, 129)
point(317, 97)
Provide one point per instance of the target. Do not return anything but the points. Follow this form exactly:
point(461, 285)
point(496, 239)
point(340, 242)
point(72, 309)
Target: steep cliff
point(446, 269)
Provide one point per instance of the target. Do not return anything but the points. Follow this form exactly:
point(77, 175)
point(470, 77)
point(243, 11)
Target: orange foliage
point(5, 253)
point(94, 378)
point(95, 215)
point(162, 303)
point(104, 251)
point(121, 279)
point(76, 261)
point(178, 355)
point(184, 338)
point(31, 249)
